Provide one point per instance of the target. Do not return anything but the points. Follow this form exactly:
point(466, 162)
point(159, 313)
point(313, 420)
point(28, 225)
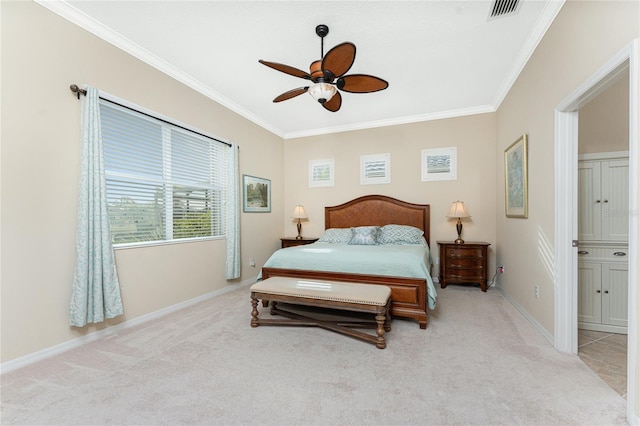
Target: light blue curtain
point(233, 215)
point(95, 294)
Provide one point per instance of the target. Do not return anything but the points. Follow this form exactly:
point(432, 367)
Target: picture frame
point(516, 192)
point(375, 169)
point(256, 194)
point(321, 173)
point(439, 164)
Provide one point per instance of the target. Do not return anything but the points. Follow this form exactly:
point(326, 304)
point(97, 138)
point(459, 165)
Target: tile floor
point(606, 355)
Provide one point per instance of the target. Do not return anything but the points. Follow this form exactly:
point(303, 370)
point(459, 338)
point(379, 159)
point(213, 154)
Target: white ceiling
point(441, 58)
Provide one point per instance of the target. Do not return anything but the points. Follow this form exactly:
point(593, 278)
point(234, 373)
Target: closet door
point(615, 200)
point(590, 292)
point(615, 293)
point(589, 201)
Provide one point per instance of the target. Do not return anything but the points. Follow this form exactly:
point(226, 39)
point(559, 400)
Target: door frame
point(566, 219)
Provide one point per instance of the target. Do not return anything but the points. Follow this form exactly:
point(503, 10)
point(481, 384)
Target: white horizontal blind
point(163, 182)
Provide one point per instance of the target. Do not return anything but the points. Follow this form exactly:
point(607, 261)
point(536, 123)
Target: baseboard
point(527, 316)
point(23, 361)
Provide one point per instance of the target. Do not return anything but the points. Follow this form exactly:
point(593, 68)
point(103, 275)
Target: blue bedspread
point(411, 261)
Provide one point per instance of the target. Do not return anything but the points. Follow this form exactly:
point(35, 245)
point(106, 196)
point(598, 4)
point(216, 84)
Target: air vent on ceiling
point(503, 7)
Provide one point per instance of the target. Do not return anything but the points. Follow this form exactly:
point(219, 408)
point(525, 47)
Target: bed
point(412, 290)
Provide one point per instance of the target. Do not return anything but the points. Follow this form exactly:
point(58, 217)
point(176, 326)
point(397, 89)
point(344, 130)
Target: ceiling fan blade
point(291, 94)
point(334, 103)
point(286, 69)
point(361, 83)
point(339, 59)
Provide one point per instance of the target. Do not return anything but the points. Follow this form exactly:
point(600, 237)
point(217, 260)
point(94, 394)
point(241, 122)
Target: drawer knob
point(619, 253)
point(598, 291)
point(583, 252)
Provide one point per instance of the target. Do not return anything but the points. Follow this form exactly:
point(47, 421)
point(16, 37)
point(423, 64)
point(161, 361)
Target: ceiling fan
point(328, 75)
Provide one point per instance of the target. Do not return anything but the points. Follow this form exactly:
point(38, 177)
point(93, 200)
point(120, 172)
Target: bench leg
point(254, 312)
point(381, 318)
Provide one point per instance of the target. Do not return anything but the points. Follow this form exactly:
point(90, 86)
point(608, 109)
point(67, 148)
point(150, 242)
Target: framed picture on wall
point(321, 173)
point(375, 169)
point(439, 164)
point(516, 201)
point(256, 194)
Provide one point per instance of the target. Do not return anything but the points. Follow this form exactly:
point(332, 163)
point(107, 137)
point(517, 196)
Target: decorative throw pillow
point(364, 235)
point(400, 234)
point(336, 236)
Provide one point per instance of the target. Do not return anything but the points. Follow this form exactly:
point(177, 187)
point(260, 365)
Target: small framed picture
point(321, 173)
point(256, 194)
point(375, 169)
point(439, 164)
point(516, 202)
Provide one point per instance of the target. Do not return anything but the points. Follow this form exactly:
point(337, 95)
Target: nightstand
point(464, 263)
point(292, 242)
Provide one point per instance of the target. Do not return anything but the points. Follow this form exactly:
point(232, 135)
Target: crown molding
point(483, 109)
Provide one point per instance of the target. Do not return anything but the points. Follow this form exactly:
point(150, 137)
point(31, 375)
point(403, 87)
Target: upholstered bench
point(363, 298)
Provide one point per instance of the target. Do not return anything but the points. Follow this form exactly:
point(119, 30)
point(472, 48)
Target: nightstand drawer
point(464, 252)
point(465, 262)
point(454, 274)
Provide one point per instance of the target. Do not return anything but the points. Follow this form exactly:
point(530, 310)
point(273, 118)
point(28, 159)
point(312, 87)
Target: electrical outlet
point(501, 269)
point(536, 291)
point(252, 263)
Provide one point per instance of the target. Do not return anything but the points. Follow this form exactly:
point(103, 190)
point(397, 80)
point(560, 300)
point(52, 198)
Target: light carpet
point(478, 362)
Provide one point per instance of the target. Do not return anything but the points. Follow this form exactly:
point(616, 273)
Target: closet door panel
point(589, 201)
point(590, 292)
point(615, 200)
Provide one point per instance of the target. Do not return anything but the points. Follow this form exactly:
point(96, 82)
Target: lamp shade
point(458, 209)
point(322, 92)
point(299, 213)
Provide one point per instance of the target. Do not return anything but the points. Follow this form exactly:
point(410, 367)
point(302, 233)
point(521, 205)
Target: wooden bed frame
point(408, 295)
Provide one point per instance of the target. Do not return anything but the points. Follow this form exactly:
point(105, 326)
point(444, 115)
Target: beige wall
point(584, 36)
point(603, 123)
point(42, 54)
point(474, 137)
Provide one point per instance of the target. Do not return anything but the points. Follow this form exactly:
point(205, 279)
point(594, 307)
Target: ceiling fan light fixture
point(322, 92)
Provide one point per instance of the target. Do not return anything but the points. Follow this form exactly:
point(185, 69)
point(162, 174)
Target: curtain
point(95, 294)
point(233, 215)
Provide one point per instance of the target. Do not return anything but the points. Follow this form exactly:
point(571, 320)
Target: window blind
point(164, 182)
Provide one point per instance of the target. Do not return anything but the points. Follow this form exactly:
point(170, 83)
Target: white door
point(590, 292)
point(589, 201)
point(615, 200)
point(615, 289)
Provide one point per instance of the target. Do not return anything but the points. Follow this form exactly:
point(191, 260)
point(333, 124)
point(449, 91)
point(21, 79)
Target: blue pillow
point(400, 234)
point(336, 236)
point(364, 236)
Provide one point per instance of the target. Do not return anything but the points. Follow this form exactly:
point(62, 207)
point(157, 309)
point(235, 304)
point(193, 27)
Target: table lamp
point(299, 213)
point(458, 210)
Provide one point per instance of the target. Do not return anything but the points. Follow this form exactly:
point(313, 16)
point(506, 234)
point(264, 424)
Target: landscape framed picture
point(516, 201)
point(256, 194)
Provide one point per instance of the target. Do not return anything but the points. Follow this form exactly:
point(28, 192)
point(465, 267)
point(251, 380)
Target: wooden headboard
point(379, 210)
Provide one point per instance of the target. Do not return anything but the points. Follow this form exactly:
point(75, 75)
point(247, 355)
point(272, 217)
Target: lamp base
point(459, 240)
point(299, 226)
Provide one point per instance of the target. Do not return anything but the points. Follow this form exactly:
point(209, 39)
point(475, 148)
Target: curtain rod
point(78, 91)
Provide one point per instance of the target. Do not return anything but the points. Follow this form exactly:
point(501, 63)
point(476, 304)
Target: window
point(163, 182)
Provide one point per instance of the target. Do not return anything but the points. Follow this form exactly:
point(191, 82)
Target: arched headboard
point(378, 210)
